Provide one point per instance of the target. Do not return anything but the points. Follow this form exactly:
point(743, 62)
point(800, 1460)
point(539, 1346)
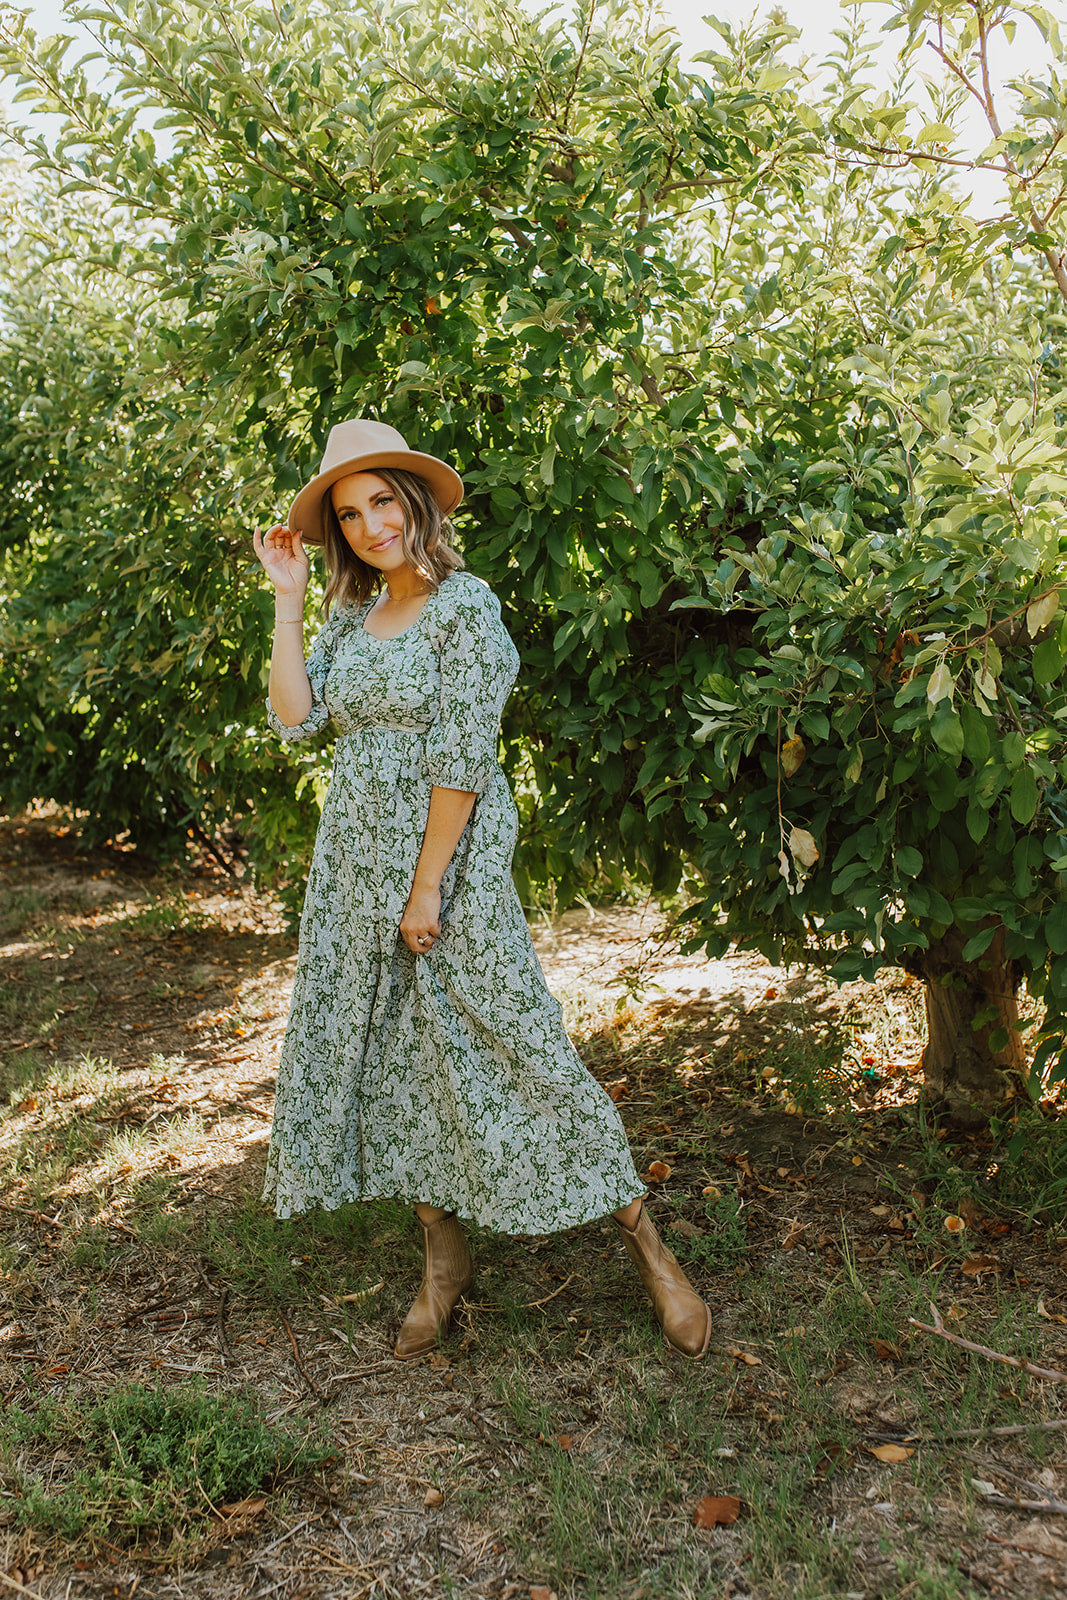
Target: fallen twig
point(938, 1328)
point(20, 1587)
point(300, 1367)
point(1010, 1430)
point(531, 1304)
point(1013, 1544)
point(34, 1216)
point(1047, 1504)
point(288, 1535)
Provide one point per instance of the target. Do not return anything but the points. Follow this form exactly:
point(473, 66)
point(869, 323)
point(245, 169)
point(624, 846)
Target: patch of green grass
point(1028, 1170)
point(793, 1549)
point(169, 913)
point(19, 1071)
point(19, 906)
point(29, 1007)
point(323, 1252)
point(925, 1577)
point(141, 1466)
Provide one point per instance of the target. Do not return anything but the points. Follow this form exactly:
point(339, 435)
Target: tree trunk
point(963, 1076)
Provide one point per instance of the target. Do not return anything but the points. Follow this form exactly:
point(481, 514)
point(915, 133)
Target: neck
point(405, 584)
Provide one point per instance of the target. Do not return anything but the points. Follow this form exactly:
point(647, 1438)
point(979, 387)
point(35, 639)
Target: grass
point(131, 1232)
point(144, 1468)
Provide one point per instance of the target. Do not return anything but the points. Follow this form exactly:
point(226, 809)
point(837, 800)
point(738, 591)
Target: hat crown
point(359, 436)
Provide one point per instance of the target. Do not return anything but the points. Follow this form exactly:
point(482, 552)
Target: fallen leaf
point(433, 1497)
point(969, 1212)
point(890, 1452)
point(886, 1351)
point(658, 1172)
point(978, 1266)
point(564, 1441)
point(439, 1361)
point(982, 1486)
point(770, 994)
point(712, 1191)
point(833, 1451)
point(618, 1091)
point(716, 1511)
point(686, 1229)
point(857, 1161)
point(879, 1211)
point(918, 1200)
point(243, 1508)
point(742, 1355)
point(783, 1172)
point(541, 1591)
point(796, 1233)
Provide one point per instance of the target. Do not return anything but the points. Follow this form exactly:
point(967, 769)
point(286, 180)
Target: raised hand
point(284, 559)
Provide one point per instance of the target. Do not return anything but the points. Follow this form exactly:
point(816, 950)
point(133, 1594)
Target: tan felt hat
point(360, 445)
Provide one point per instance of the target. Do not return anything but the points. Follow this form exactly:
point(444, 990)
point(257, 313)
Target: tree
point(738, 446)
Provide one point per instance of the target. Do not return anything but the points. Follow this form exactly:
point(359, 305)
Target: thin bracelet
point(288, 622)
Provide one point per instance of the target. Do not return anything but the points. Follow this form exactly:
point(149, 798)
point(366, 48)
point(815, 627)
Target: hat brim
point(306, 512)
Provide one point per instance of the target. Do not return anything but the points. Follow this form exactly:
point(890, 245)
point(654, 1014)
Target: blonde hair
point(426, 547)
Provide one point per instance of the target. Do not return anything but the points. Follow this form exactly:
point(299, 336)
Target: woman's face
point(371, 519)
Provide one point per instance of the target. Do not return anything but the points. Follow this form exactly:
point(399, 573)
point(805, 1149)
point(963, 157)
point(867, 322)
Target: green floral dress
point(446, 1077)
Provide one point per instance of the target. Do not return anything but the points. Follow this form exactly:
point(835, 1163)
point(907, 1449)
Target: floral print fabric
point(446, 1077)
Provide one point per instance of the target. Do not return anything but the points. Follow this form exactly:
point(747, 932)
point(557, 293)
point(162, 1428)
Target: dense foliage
point(759, 431)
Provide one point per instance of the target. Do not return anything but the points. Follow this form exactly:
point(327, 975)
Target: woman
point(424, 1056)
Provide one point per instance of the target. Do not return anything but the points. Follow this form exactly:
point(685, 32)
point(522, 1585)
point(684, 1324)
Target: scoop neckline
point(365, 610)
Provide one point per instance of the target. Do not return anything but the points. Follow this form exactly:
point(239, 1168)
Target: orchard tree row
point(762, 434)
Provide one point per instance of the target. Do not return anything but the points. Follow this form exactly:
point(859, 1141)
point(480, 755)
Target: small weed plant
point(148, 1466)
point(724, 1244)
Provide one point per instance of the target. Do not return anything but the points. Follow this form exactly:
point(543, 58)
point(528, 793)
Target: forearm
point(289, 689)
point(449, 812)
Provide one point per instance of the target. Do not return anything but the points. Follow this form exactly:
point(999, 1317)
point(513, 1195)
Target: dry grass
point(552, 1442)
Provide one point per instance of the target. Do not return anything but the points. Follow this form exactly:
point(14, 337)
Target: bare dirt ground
point(553, 1445)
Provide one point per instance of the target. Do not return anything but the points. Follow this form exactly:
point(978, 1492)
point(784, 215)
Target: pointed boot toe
point(681, 1313)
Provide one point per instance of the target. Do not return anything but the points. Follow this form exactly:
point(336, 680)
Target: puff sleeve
point(478, 667)
point(317, 666)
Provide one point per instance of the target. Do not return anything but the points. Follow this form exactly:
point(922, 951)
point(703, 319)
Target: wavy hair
point(426, 543)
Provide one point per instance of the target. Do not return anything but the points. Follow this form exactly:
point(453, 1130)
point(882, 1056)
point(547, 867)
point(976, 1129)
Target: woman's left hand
point(421, 922)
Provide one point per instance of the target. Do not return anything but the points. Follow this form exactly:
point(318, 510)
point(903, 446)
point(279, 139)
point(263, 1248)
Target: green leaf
point(1048, 660)
point(1056, 928)
point(979, 944)
point(947, 730)
point(909, 861)
point(1024, 796)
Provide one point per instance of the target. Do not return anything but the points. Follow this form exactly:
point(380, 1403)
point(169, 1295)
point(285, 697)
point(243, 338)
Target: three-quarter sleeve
point(478, 667)
point(317, 666)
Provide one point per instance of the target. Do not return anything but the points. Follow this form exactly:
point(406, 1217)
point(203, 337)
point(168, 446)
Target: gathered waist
point(408, 731)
